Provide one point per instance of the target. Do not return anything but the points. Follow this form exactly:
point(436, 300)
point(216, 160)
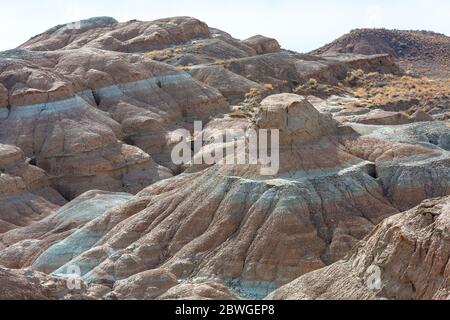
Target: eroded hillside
point(89, 112)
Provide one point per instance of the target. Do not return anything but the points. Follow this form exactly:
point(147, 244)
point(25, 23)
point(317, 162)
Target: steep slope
point(28, 285)
point(24, 245)
point(422, 52)
point(229, 226)
point(411, 250)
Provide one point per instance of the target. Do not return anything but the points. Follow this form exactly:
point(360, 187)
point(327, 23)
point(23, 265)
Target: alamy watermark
point(73, 281)
point(231, 146)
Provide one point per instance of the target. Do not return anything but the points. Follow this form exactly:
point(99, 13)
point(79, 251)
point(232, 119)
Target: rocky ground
point(87, 124)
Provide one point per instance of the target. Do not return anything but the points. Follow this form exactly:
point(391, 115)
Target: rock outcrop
point(107, 34)
point(29, 285)
point(422, 52)
point(380, 98)
point(285, 70)
point(409, 252)
point(25, 192)
point(25, 245)
point(89, 102)
point(229, 227)
point(263, 44)
point(232, 86)
point(90, 111)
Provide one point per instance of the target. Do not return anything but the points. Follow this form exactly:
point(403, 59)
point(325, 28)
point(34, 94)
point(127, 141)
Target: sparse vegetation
point(253, 93)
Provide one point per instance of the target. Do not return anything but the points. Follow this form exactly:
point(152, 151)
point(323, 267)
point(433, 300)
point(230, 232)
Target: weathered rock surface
point(106, 33)
point(97, 105)
point(25, 192)
point(67, 129)
point(263, 44)
point(422, 52)
point(286, 70)
point(379, 98)
point(201, 290)
point(72, 94)
point(30, 285)
point(412, 250)
point(231, 85)
point(25, 245)
point(380, 117)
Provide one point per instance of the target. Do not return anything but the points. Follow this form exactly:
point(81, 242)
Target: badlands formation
point(89, 113)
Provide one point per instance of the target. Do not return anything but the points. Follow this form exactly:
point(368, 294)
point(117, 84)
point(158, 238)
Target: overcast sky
point(297, 24)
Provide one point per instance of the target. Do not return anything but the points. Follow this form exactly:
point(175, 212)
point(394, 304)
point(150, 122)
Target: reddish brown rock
point(231, 85)
point(68, 130)
point(263, 44)
point(298, 121)
point(30, 285)
point(284, 71)
point(94, 105)
point(24, 245)
point(25, 192)
point(420, 116)
point(4, 100)
point(106, 33)
point(380, 117)
point(207, 290)
point(146, 285)
point(418, 52)
point(411, 251)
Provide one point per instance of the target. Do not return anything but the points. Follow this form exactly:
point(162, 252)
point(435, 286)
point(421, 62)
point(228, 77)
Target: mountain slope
point(428, 53)
point(411, 249)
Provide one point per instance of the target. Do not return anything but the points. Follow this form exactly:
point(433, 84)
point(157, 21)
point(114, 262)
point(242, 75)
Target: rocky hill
point(418, 52)
point(411, 249)
point(89, 114)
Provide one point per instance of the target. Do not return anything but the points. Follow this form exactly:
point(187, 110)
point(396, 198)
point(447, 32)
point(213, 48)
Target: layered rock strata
point(409, 253)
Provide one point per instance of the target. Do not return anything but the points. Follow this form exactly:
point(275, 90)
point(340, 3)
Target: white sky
point(300, 25)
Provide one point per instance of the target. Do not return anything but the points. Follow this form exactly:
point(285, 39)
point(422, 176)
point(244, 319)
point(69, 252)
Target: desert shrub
point(312, 82)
